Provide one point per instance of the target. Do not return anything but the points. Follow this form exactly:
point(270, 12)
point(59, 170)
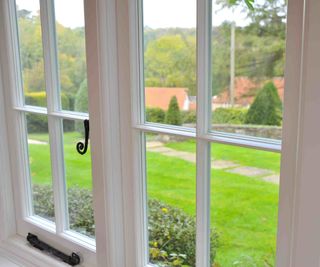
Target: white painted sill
point(20, 252)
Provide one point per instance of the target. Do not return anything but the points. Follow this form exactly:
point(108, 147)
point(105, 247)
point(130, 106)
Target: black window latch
point(72, 260)
point(82, 147)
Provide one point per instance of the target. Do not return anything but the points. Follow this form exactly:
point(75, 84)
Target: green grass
point(77, 167)
point(241, 155)
point(243, 209)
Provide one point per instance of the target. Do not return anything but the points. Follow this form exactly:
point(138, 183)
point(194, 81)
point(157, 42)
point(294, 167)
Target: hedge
point(229, 116)
point(189, 116)
point(39, 123)
point(172, 232)
point(40, 99)
point(157, 115)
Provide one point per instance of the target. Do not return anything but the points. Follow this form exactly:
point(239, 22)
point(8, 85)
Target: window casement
point(204, 140)
point(57, 158)
point(140, 166)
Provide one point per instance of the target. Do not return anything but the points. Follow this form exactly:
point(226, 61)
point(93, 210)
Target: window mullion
point(53, 104)
point(203, 126)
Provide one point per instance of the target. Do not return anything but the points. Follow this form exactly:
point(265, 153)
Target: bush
point(172, 236)
point(173, 114)
point(155, 115)
point(189, 116)
point(172, 232)
point(40, 99)
point(39, 123)
point(229, 116)
point(79, 206)
point(266, 108)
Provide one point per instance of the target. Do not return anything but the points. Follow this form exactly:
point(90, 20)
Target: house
point(245, 91)
point(159, 97)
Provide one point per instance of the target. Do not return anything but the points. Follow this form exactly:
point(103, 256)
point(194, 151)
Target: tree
point(173, 114)
point(170, 61)
point(81, 103)
point(266, 108)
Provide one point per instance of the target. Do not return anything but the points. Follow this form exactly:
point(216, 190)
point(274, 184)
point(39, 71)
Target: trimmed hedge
point(172, 232)
point(155, 115)
point(229, 116)
point(266, 108)
point(39, 123)
point(40, 99)
point(173, 115)
point(189, 116)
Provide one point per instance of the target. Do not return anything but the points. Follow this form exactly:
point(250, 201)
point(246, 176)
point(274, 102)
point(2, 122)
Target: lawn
point(243, 209)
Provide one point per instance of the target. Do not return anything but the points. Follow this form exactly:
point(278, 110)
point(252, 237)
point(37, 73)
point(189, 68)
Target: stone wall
point(273, 132)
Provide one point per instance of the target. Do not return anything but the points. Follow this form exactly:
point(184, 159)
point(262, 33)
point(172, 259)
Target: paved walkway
point(36, 142)
point(228, 166)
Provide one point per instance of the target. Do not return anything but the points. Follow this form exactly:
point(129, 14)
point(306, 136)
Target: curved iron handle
point(83, 147)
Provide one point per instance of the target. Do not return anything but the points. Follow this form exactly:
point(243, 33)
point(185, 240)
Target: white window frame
point(118, 186)
point(104, 138)
point(204, 137)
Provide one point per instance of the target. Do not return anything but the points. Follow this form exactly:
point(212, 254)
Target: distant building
point(245, 92)
point(159, 97)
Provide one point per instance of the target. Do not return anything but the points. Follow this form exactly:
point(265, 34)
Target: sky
point(157, 13)
point(68, 12)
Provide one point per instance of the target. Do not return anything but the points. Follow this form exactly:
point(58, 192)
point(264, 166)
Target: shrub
point(266, 108)
point(189, 116)
point(40, 99)
point(172, 232)
point(173, 114)
point(155, 115)
point(79, 207)
point(172, 236)
point(229, 116)
point(39, 123)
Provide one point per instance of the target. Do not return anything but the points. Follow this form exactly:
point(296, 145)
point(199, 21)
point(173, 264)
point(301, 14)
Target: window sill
point(17, 249)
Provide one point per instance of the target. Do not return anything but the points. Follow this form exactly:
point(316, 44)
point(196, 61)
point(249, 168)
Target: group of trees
point(169, 54)
point(266, 109)
point(71, 56)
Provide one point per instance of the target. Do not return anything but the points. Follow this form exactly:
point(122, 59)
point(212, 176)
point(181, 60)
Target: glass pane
point(72, 55)
point(31, 52)
point(170, 61)
point(248, 59)
point(40, 166)
point(78, 180)
point(244, 205)
point(171, 194)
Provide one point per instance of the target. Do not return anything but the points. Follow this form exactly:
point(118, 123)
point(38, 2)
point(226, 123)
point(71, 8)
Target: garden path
point(36, 142)
point(229, 166)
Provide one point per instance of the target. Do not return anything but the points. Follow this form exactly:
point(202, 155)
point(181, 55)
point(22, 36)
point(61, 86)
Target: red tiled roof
point(246, 90)
point(159, 97)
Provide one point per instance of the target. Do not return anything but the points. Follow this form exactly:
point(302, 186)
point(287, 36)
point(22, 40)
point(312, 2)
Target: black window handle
point(83, 147)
